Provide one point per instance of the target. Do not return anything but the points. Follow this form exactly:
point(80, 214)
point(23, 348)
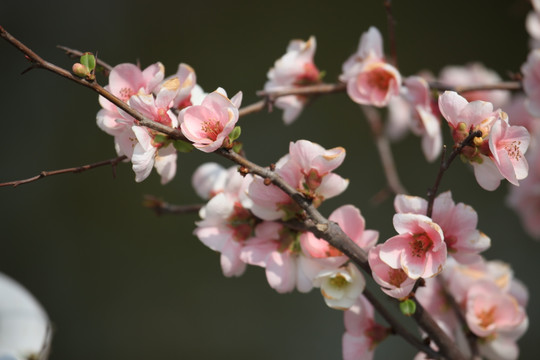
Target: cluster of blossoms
point(177, 102)
point(251, 221)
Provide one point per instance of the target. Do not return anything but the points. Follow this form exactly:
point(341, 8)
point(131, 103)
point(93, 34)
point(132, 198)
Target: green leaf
point(89, 61)
point(322, 74)
point(407, 307)
point(235, 133)
point(183, 146)
point(160, 138)
point(237, 147)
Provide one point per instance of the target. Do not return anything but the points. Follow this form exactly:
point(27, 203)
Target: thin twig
point(504, 85)
point(316, 223)
point(73, 170)
point(385, 152)
point(391, 24)
point(304, 90)
point(161, 207)
point(445, 164)
point(75, 54)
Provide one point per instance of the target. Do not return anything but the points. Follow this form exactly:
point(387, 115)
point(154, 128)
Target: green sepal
point(160, 138)
point(182, 146)
point(407, 307)
point(322, 74)
point(237, 147)
point(88, 60)
point(235, 133)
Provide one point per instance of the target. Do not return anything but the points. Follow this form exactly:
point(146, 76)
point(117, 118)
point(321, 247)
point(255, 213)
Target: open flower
point(370, 79)
point(498, 151)
point(419, 249)
point(393, 282)
point(457, 221)
point(294, 69)
point(208, 125)
point(340, 287)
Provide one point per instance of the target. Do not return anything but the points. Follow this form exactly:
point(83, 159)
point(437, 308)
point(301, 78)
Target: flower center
point(125, 94)
point(212, 128)
point(396, 277)
point(420, 244)
point(379, 78)
point(486, 317)
point(241, 222)
point(513, 150)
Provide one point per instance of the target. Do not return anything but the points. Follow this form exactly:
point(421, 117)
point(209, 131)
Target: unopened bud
point(80, 70)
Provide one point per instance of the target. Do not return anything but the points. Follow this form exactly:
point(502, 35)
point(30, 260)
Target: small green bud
point(407, 307)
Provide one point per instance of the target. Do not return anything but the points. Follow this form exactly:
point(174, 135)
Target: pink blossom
point(276, 248)
point(208, 125)
point(188, 80)
point(414, 110)
point(531, 81)
point(490, 312)
point(457, 221)
point(294, 69)
point(393, 282)
point(352, 222)
point(532, 24)
point(308, 168)
point(493, 156)
point(226, 223)
point(525, 200)
point(209, 179)
point(370, 79)
point(419, 249)
point(145, 152)
point(340, 287)
point(475, 74)
point(508, 145)
point(126, 80)
point(362, 333)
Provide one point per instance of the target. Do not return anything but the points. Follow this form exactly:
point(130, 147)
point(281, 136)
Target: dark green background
point(119, 282)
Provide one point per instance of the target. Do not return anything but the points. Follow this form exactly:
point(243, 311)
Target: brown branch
point(304, 90)
point(316, 223)
point(445, 164)
point(38, 62)
point(161, 207)
point(391, 23)
point(253, 108)
point(76, 54)
point(385, 152)
point(74, 170)
point(504, 85)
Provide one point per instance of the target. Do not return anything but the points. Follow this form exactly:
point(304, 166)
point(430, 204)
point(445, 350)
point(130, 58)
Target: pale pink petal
point(391, 251)
point(165, 163)
point(231, 264)
point(281, 272)
point(332, 185)
point(487, 174)
point(410, 204)
point(451, 104)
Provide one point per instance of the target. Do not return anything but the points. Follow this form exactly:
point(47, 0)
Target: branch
point(161, 207)
point(316, 223)
point(74, 170)
point(76, 54)
point(385, 152)
point(317, 89)
point(38, 62)
point(445, 164)
point(504, 85)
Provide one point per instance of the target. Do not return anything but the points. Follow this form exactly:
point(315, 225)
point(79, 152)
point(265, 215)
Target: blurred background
point(119, 282)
